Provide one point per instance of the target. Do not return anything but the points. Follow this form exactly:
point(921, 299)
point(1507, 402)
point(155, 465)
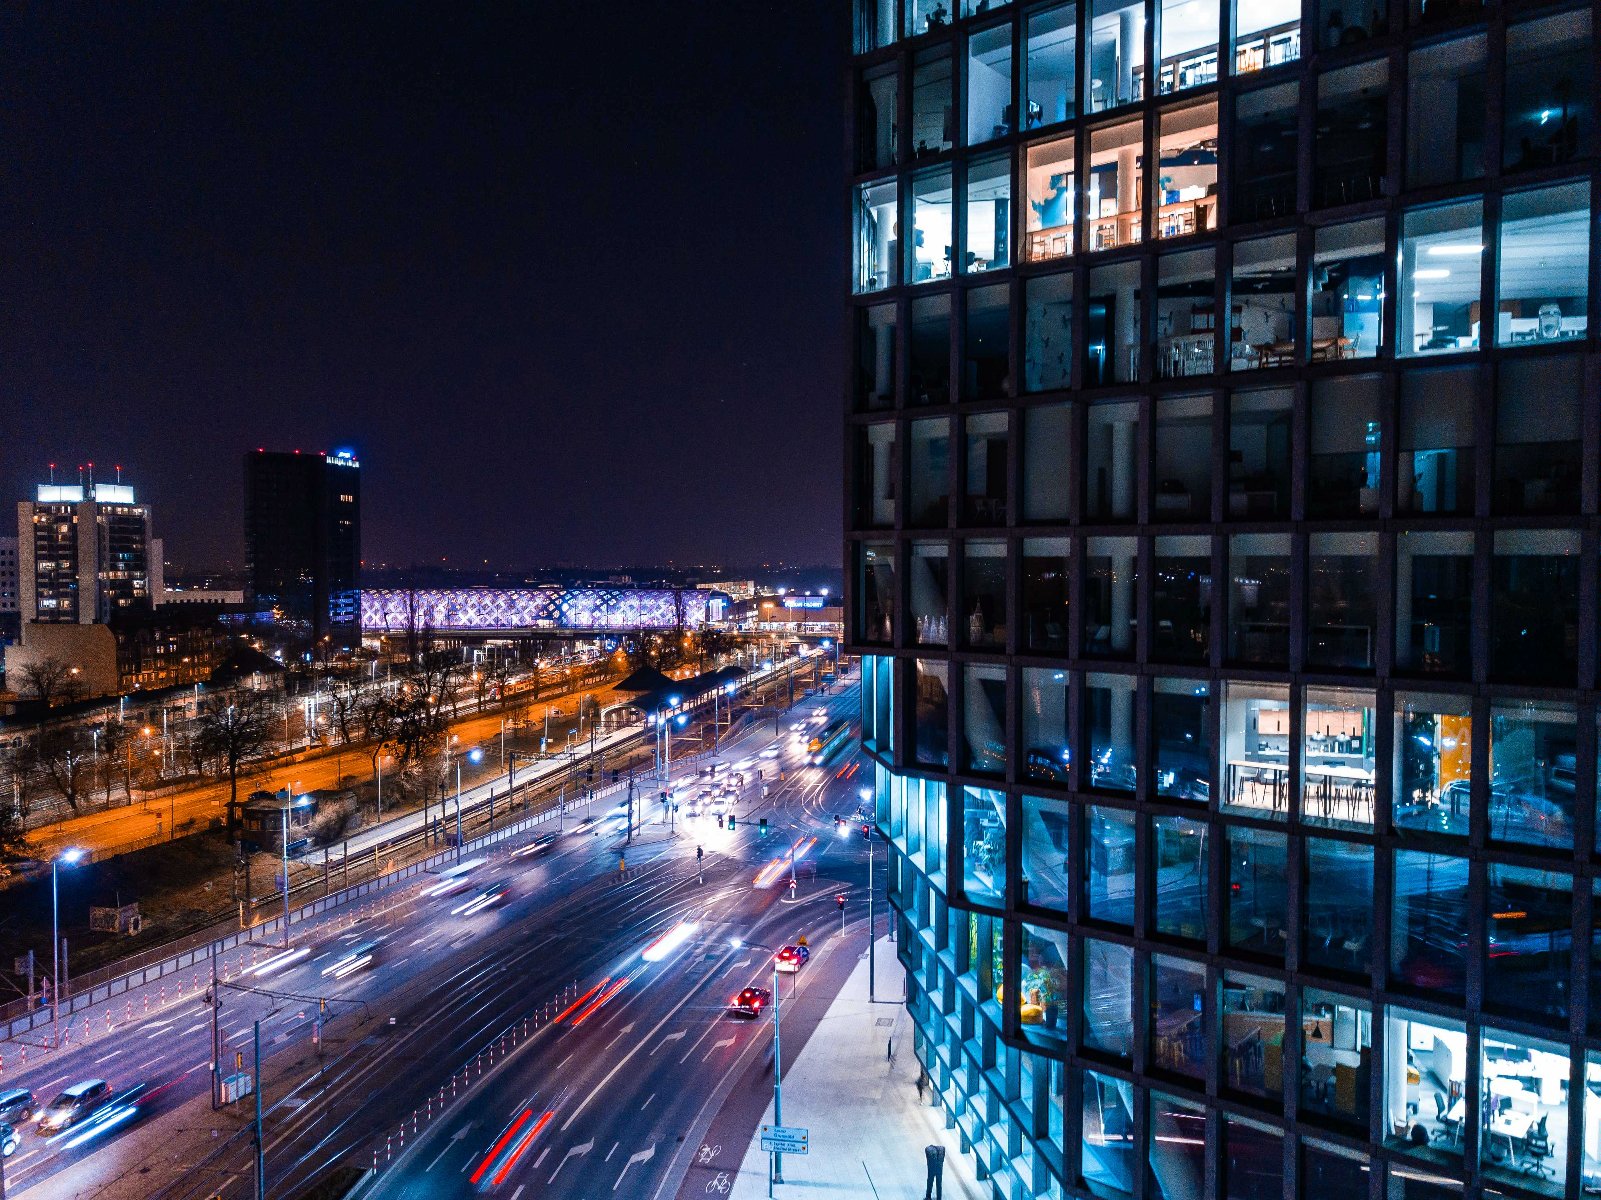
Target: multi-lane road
point(587, 1005)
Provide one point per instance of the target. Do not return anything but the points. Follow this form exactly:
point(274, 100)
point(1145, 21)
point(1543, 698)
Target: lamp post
point(289, 800)
point(70, 857)
point(865, 794)
point(476, 755)
point(778, 1065)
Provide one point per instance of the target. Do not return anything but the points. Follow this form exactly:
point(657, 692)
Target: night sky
point(567, 276)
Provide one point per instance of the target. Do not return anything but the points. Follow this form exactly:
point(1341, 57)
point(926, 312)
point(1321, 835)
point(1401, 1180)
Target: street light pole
point(778, 1076)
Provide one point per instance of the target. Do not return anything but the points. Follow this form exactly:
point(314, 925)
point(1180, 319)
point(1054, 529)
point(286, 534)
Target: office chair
point(1536, 1149)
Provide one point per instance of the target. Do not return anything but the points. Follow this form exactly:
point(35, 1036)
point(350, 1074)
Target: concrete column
point(1122, 633)
point(883, 360)
point(1122, 490)
point(1130, 43)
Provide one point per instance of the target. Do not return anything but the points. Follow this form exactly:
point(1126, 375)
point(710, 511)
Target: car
point(73, 1105)
point(542, 844)
point(8, 1140)
point(750, 1002)
point(489, 897)
point(791, 958)
point(772, 751)
point(17, 1105)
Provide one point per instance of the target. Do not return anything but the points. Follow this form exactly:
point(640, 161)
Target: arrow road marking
point(572, 1152)
point(639, 1156)
point(454, 1138)
point(716, 1046)
point(671, 1037)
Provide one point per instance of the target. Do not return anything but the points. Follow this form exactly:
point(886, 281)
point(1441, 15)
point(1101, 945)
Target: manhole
point(885, 1021)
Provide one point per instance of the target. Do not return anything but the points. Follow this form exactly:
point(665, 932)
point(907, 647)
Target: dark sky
point(566, 275)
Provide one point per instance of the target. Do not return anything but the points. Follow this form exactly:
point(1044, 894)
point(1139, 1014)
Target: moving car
point(73, 1105)
point(488, 898)
point(17, 1105)
point(8, 1140)
point(791, 958)
point(542, 844)
point(750, 1002)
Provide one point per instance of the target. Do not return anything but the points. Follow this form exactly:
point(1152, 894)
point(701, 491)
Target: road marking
point(639, 1156)
point(716, 1046)
point(454, 1138)
point(572, 1152)
point(648, 1099)
point(537, 1161)
point(109, 1057)
point(611, 1152)
point(564, 1062)
point(520, 1186)
point(671, 1037)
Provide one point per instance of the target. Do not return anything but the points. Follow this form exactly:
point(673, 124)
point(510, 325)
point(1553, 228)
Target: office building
point(83, 553)
point(10, 587)
point(303, 541)
point(1227, 585)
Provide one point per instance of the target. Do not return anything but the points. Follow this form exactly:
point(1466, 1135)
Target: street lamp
point(476, 755)
point(777, 1175)
point(69, 857)
point(865, 794)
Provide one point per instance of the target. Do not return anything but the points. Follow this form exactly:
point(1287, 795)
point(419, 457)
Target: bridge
point(554, 610)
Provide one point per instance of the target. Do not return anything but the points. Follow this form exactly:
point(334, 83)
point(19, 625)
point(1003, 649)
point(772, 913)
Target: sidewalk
point(867, 1126)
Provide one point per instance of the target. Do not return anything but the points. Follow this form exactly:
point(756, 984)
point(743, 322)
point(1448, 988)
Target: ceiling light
point(1455, 249)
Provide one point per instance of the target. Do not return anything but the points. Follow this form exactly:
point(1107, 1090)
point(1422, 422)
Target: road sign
point(785, 1139)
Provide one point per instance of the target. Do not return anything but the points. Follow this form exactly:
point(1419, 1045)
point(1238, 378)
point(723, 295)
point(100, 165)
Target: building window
point(987, 360)
point(1534, 592)
point(1259, 455)
point(1351, 144)
point(1257, 892)
point(1337, 758)
point(984, 594)
point(1253, 1035)
point(1259, 598)
point(1186, 314)
point(1266, 129)
point(877, 112)
point(1538, 431)
point(1187, 183)
point(1109, 847)
point(1533, 772)
point(1182, 473)
point(1529, 944)
point(1267, 33)
point(984, 720)
point(1047, 879)
point(1337, 907)
point(1179, 878)
point(1435, 474)
point(1549, 109)
point(932, 118)
point(984, 493)
point(931, 225)
point(1108, 999)
point(1439, 278)
point(930, 487)
point(1433, 764)
point(875, 24)
point(1425, 1081)
point(984, 845)
point(1106, 1150)
point(877, 236)
point(1114, 192)
point(1525, 1113)
point(875, 593)
point(1043, 989)
point(1428, 919)
point(1337, 1054)
point(928, 584)
point(876, 352)
point(1178, 1023)
point(1263, 293)
point(1115, 69)
point(989, 215)
point(1052, 49)
point(931, 350)
point(1111, 462)
point(1445, 112)
point(1111, 581)
point(1048, 336)
point(875, 475)
point(1046, 753)
point(1047, 464)
point(1112, 325)
point(1181, 599)
point(1542, 287)
point(1256, 749)
point(1343, 585)
point(1052, 199)
point(1343, 471)
point(1348, 310)
point(1109, 731)
point(1188, 51)
point(1434, 603)
point(1176, 1153)
point(1047, 584)
point(989, 85)
point(933, 707)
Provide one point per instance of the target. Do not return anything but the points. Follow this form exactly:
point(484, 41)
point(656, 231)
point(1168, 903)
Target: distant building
point(186, 596)
point(10, 601)
point(734, 589)
point(83, 553)
point(303, 540)
point(137, 650)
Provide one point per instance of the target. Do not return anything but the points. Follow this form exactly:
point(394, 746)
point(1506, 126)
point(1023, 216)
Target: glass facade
point(1224, 538)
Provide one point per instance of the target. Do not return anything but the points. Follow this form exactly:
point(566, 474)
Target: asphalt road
point(633, 1074)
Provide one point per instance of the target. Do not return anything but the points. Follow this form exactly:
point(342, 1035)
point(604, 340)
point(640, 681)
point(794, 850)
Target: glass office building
point(1226, 585)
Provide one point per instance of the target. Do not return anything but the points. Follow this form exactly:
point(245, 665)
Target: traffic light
point(616, 774)
point(700, 853)
point(840, 900)
point(764, 827)
point(730, 820)
point(867, 831)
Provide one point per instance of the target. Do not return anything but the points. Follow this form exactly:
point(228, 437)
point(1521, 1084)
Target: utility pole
point(286, 865)
point(216, 1036)
point(261, 1149)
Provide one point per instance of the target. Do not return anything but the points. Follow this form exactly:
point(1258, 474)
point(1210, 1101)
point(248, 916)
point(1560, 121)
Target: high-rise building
point(1226, 585)
point(83, 553)
point(303, 540)
point(10, 588)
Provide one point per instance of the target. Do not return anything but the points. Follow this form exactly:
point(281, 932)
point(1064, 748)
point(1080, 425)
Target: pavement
point(853, 1086)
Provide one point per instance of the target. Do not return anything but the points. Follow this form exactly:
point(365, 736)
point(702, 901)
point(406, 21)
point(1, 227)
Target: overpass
point(552, 610)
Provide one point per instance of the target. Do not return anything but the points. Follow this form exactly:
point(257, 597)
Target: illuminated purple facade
point(394, 610)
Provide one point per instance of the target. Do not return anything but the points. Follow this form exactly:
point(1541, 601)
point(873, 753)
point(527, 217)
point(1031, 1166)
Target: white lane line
point(611, 1152)
point(520, 1186)
point(648, 1099)
point(539, 1160)
point(107, 1058)
point(671, 1037)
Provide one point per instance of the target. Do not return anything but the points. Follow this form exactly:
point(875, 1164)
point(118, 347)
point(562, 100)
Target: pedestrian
point(935, 1157)
point(922, 1082)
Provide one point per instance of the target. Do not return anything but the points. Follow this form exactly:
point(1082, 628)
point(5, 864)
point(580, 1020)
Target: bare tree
point(67, 764)
point(116, 757)
point(345, 705)
point(233, 733)
point(51, 679)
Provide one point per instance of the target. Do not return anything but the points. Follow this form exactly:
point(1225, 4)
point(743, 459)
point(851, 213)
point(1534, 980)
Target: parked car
point(17, 1106)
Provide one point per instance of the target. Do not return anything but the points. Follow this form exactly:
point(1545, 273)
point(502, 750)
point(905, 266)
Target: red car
point(791, 958)
point(750, 1002)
